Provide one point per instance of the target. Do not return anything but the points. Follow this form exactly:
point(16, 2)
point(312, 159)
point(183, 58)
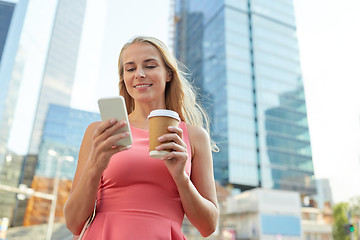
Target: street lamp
point(59, 160)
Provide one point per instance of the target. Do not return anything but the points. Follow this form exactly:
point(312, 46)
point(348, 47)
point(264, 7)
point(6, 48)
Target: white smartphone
point(114, 107)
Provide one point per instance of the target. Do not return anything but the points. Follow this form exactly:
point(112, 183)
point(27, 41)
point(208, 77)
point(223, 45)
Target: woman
point(139, 197)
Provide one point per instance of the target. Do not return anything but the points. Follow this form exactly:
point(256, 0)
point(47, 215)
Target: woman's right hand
point(103, 144)
point(96, 149)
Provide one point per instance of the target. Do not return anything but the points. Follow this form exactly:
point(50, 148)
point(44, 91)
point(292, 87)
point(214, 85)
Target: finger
point(111, 130)
point(171, 137)
point(122, 148)
point(172, 146)
point(112, 140)
point(176, 130)
point(173, 155)
point(115, 150)
point(103, 126)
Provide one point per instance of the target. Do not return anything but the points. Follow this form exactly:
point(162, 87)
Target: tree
point(354, 205)
point(340, 221)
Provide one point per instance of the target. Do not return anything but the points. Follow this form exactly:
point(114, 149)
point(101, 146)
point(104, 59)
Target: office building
point(63, 131)
point(37, 68)
point(324, 194)
point(6, 13)
point(59, 71)
point(12, 14)
point(244, 57)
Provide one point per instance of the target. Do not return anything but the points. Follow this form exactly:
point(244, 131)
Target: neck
point(138, 117)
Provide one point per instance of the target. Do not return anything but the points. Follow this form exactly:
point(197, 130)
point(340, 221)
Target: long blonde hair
point(180, 96)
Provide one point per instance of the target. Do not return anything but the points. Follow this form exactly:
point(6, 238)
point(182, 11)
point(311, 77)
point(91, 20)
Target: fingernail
point(113, 121)
point(170, 127)
point(160, 138)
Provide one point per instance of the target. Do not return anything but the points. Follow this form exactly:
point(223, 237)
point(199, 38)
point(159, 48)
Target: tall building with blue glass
point(37, 68)
point(12, 15)
point(6, 13)
point(244, 57)
point(63, 130)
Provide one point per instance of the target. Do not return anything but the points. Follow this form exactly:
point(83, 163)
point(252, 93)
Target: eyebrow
point(146, 60)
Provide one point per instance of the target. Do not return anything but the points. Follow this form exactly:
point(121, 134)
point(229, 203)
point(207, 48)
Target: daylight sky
point(329, 37)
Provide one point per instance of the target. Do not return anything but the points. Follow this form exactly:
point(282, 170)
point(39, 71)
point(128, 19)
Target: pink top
point(137, 197)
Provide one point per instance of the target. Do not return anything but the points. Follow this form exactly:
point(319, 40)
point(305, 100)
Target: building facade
point(38, 68)
point(63, 131)
point(6, 13)
point(62, 135)
point(244, 57)
point(12, 14)
point(59, 71)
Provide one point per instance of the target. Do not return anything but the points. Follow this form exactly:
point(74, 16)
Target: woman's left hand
point(176, 159)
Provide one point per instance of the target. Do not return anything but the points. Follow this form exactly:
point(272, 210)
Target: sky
point(329, 37)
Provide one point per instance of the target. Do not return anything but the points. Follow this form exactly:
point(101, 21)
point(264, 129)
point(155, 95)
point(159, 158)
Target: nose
point(140, 73)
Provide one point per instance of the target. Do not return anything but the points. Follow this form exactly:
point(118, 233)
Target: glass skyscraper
point(6, 13)
point(37, 68)
point(244, 57)
point(59, 72)
point(63, 130)
point(12, 15)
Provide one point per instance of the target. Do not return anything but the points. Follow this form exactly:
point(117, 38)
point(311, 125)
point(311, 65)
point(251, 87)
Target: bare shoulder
point(88, 135)
point(197, 133)
point(84, 152)
point(199, 138)
point(91, 128)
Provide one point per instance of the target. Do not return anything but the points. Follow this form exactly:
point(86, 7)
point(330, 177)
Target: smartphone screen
point(114, 107)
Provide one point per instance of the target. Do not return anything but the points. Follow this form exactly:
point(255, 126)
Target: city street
point(38, 232)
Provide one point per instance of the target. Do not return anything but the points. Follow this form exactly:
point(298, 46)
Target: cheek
point(128, 84)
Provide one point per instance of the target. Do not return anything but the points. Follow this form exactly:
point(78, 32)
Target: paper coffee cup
point(159, 120)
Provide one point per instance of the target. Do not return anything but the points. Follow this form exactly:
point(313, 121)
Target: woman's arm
point(198, 193)
point(95, 152)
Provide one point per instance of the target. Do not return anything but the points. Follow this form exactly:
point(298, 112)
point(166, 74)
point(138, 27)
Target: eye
point(130, 69)
point(151, 66)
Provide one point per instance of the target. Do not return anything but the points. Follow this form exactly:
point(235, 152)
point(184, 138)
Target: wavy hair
point(180, 96)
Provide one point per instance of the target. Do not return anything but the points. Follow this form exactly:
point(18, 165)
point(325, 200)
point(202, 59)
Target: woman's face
point(145, 75)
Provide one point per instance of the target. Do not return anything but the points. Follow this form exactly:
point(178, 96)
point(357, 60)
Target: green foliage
point(340, 220)
point(354, 205)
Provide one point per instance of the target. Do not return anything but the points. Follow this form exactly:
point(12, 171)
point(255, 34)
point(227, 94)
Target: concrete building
point(263, 214)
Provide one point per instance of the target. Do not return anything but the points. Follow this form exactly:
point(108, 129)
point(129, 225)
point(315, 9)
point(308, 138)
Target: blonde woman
point(139, 197)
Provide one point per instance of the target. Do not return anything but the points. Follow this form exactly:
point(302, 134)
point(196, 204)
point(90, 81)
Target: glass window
point(242, 123)
point(240, 173)
point(236, 92)
point(279, 10)
point(240, 4)
point(242, 138)
point(243, 108)
point(269, 58)
point(237, 63)
point(241, 79)
point(277, 73)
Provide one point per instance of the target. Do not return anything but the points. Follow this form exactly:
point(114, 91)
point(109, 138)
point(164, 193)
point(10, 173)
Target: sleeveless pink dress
point(137, 198)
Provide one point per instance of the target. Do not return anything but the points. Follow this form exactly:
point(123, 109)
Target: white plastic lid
point(164, 113)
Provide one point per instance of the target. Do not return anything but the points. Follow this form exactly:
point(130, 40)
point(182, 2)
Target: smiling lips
point(142, 85)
